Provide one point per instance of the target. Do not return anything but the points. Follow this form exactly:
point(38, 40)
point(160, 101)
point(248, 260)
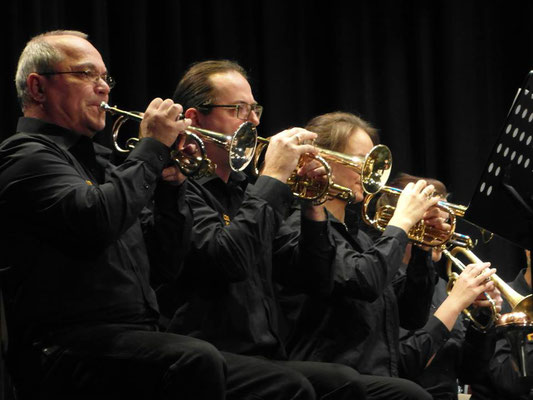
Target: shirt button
point(160, 157)
point(146, 186)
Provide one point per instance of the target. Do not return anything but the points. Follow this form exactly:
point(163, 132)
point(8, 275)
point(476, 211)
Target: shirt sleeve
point(364, 269)
point(227, 249)
point(37, 175)
point(303, 254)
point(417, 347)
point(478, 348)
point(415, 291)
point(167, 228)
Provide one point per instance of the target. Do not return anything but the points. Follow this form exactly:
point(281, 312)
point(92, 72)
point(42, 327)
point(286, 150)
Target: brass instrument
point(374, 170)
point(240, 145)
point(521, 305)
point(420, 234)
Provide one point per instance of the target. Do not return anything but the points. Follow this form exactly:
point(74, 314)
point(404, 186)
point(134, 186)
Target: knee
point(296, 387)
point(202, 355)
point(413, 391)
point(346, 376)
point(341, 381)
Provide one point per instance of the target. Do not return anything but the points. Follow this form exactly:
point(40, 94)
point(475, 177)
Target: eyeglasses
point(243, 110)
point(88, 75)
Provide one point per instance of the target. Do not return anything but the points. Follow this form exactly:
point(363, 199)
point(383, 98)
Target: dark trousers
point(118, 362)
point(388, 388)
point(327, 381)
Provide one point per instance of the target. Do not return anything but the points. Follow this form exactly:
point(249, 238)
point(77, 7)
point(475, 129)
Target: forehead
point(359, 143)
point(231, 86)
point(77, 50)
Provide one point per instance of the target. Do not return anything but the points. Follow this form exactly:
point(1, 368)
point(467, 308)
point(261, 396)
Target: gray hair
point(39, 55)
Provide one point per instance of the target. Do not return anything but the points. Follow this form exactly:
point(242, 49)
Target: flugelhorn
point(521, 305)
point(240, 145)
point(374, 170)
point(420, 234)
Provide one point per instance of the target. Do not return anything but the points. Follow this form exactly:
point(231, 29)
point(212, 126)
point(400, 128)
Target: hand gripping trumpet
point(240, 145)
point(521, 305)
point(374, 170)
point(420, 234)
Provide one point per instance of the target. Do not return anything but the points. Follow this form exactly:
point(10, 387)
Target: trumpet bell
point(515, 328)
point(376, 169)
point(243, 144)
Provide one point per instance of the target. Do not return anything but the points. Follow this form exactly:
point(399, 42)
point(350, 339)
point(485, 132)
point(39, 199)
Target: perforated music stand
point(503, 200)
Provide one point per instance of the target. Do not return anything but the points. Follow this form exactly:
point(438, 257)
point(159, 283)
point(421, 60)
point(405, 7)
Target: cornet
point(420, 234)
point(374, 170)
point(240, 145)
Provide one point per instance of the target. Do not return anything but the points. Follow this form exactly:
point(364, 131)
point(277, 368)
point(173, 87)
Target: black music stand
point(503, 200)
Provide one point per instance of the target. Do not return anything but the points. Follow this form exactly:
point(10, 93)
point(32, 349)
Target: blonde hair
point(334, 129)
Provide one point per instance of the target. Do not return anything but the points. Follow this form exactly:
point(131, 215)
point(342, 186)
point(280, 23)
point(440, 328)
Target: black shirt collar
point(64, 138)
point(235, 179)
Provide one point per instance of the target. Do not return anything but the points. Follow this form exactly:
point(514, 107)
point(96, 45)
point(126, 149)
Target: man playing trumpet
point(225, 291)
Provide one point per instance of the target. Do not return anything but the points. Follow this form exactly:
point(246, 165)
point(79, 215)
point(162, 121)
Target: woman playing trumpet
point(356, 322)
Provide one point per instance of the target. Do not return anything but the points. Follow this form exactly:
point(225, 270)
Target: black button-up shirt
point(226, 292)
point(357, 323)
point(71, 230)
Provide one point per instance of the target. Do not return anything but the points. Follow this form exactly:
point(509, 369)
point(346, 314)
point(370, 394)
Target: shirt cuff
point(398, 233)
point(276, 193)
point(437, 330)
point(153, 152)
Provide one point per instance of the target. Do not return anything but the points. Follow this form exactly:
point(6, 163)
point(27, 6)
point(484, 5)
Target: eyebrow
point(86, 66)
point(244, 102)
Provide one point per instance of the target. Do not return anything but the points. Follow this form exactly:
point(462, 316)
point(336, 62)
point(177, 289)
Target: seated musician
point(449, 347)
point(225, 292)
point(83, 318)
point(356, 321)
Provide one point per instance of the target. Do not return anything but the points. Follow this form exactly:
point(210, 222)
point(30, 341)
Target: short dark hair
point(195, 87)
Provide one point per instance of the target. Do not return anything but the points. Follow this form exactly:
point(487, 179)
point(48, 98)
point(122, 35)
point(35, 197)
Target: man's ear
point(36, 87)
point(194, 115)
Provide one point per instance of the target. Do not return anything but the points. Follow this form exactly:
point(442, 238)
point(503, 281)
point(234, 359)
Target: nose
point(253, 118)
point(102, 88)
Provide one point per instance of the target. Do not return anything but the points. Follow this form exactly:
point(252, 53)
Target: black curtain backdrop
point(435, 77)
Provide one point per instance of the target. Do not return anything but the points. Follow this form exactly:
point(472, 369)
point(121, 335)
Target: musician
point(356, 322)
point(83, 317)
point(448, 347)
point(505, 378)
point(225, 294)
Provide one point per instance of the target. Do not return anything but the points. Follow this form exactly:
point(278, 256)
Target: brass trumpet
point(521, 305)
point(240, 145)
point(374, 169)
point(420, 234)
